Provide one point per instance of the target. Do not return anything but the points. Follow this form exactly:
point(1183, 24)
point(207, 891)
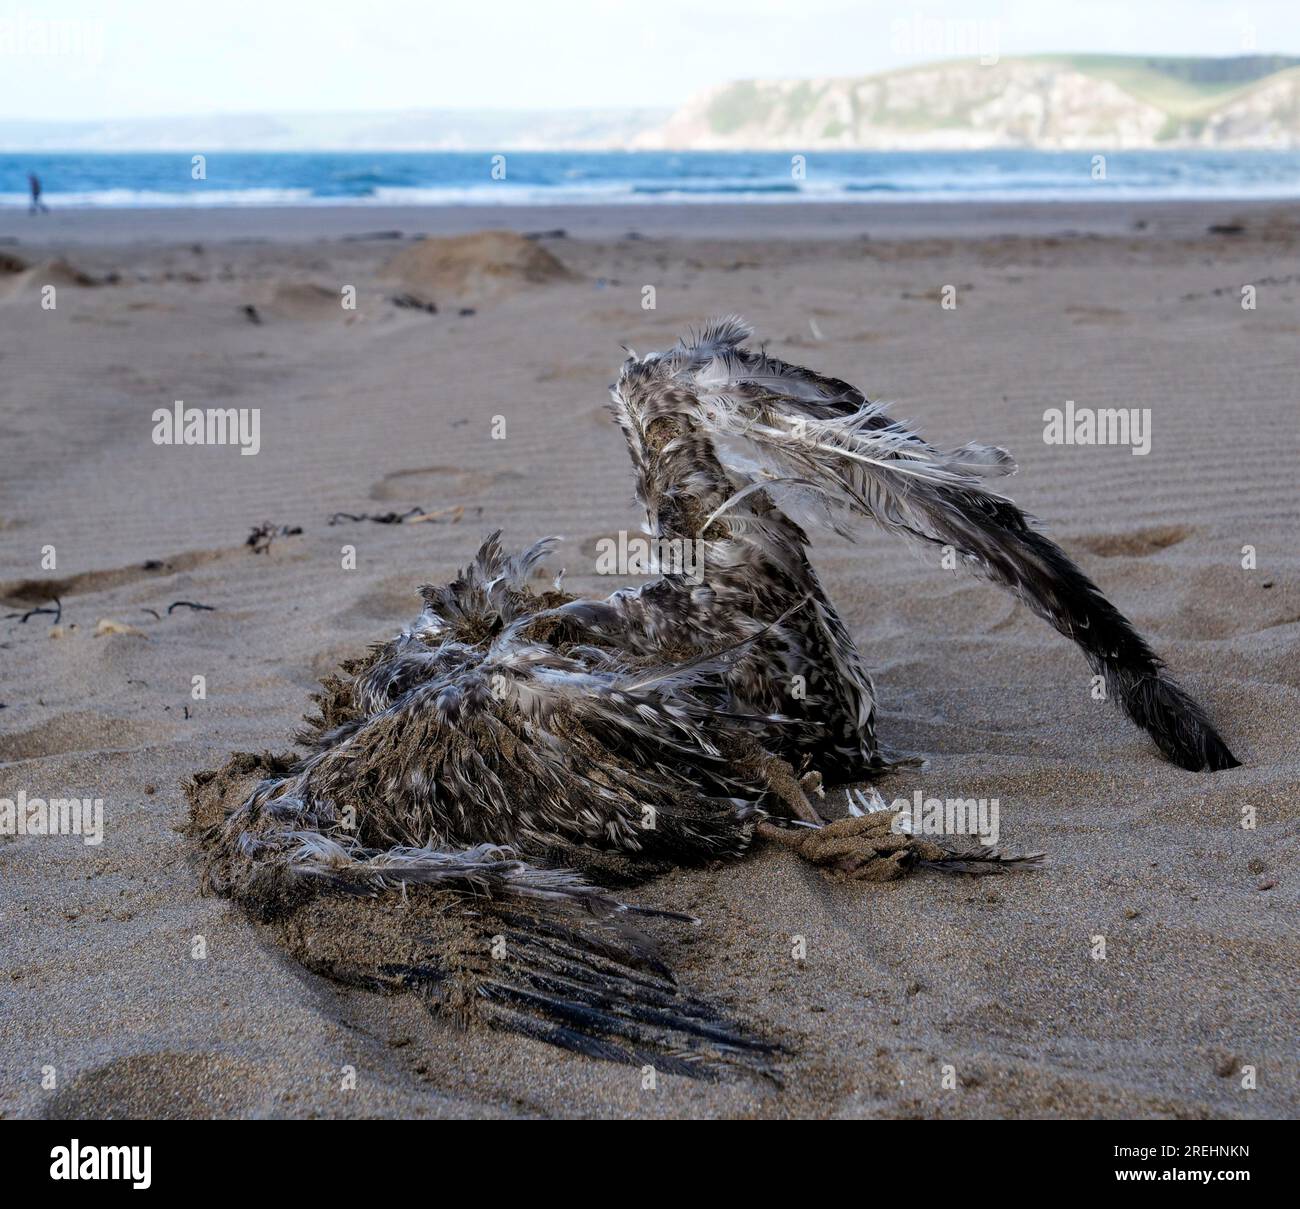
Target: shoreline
point(888, 221)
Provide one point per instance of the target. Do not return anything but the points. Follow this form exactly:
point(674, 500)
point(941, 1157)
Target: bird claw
point(863, 802)
point(811, 784)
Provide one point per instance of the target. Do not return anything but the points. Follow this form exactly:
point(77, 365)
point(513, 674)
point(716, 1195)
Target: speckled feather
point(509, 754)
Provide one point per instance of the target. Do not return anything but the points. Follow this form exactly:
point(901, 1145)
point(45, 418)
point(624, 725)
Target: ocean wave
point(254, 198)
point(130, 181)
point(157, 198)
point(712, 190)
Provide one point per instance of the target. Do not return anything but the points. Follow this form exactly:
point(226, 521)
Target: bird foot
point(867, 848)
point(863, 848)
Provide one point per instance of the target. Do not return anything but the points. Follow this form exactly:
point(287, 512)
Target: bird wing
point(824, 453)
point(478, 935)
point(465, 783)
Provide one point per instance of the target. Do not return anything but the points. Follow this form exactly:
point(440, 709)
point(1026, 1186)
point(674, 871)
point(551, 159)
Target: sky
point(104, 59)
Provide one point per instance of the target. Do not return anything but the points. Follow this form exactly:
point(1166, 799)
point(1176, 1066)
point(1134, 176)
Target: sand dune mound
point(16, 278)
point(486, 264)
point(60, 272)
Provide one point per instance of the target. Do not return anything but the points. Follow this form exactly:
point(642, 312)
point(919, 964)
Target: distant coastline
point(1039, 102)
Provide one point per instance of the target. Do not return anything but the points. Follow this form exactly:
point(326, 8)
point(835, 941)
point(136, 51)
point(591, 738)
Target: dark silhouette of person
point(37, 206)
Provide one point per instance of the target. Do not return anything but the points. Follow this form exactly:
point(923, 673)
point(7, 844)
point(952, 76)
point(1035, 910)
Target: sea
point(369, 178)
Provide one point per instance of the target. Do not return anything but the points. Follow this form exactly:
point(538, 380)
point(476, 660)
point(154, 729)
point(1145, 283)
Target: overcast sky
point(154, 58)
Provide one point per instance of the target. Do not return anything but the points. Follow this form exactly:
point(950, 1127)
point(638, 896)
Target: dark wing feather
point(772, 423)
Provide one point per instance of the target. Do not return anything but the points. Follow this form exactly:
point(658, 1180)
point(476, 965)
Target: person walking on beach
point(37, 206)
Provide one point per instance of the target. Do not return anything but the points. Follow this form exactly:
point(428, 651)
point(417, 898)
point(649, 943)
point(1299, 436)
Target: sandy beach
point(994, 984)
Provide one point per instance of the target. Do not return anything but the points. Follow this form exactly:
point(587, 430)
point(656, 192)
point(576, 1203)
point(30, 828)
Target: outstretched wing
point(819, 449)
point(478, 935)
point(468, 785)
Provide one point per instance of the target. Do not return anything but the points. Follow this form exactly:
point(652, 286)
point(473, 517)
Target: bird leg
point(780, 779)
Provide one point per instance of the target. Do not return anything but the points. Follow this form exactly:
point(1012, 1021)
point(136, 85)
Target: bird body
point(516, 756)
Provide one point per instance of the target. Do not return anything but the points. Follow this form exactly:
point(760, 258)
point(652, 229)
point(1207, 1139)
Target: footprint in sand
point(158, 1087)
point(38, 591)
point(304, 300)
point(1104, 315)
point(80, 731)
point(395, 596)
point(1135, 543)
point(438, 486)
point(591, 371)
